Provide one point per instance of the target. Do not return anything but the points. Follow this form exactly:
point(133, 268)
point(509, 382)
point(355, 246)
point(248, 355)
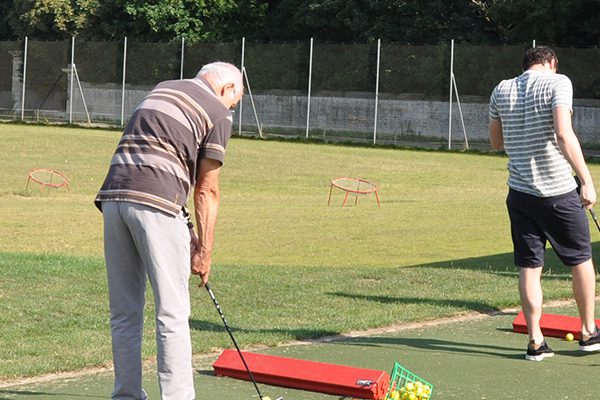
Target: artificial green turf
point(471, 359)
point(286, 265)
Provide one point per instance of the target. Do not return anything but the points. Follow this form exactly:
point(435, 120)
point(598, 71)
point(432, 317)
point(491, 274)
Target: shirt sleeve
point(562, 94)
point(215, 142)
point(493, 110)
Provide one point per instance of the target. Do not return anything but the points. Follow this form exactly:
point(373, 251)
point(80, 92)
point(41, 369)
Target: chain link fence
point(385, 93)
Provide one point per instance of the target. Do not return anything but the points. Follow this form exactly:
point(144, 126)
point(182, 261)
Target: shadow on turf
point(27, 394)
point(439, 346)
point(449, 346)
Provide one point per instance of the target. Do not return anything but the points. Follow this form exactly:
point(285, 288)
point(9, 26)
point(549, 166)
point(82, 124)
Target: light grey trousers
point(143, 243)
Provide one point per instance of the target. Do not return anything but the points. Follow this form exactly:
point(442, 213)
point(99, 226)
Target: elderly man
point(530, 117)
point(174, 141)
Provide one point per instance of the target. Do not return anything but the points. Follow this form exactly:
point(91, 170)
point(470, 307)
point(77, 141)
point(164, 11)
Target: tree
point(154, 20)
point(165, 20)
point(407, 21)
point(558, 22)
point(159, 20)
point(51, 19)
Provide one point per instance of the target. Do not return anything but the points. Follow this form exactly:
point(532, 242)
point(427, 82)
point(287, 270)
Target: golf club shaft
point(216, 303)
point(595, 218)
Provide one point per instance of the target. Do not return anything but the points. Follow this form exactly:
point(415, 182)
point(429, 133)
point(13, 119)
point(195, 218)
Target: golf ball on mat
point(569, 337)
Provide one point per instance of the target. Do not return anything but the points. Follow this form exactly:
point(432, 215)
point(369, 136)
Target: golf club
point(214, 299)
point(595, 218)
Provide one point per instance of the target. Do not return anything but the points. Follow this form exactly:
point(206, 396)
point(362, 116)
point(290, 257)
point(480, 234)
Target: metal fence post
point(310, 61)
point(242, 68)
point(123, 82)
point(450, 100)
point(377, 90)
point(72, 79)
point(182, 58)
point(24, 80)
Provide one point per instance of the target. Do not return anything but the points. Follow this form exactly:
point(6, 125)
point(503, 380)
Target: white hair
point(221, 73)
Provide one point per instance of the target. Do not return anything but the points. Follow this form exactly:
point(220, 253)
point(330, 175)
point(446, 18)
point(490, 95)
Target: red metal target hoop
point(354, 186)
point(48, 178)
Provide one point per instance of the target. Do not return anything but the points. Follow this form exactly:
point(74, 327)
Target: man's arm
point(496, 135)
point(571, 149)
point(206, 206)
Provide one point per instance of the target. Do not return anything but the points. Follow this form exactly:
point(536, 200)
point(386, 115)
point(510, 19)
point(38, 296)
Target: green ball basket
point(400, 377)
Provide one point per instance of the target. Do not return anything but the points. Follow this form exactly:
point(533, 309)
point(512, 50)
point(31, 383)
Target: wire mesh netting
point(479, 68)
point(278, 73)
point(46, 85)
point(199, 54)
point(11, 66)
point(386, 94)
point(99, 68)
point(581, 66)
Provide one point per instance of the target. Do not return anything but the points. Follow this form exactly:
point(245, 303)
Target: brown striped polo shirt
point(155, 163)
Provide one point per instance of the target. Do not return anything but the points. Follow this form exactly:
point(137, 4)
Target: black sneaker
point(540, 353)
point(592, 344)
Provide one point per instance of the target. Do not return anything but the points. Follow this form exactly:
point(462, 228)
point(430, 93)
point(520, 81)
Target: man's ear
point(226, 87)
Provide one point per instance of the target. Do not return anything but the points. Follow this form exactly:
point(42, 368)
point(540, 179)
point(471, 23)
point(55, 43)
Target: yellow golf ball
point(569, 337)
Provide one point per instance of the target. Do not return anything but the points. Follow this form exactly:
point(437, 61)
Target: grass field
point(286, 265)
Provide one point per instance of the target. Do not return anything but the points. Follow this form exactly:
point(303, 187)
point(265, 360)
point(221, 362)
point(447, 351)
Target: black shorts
point(560, 220)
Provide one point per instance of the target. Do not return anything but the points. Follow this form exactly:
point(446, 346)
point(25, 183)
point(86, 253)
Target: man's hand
point(201, 266)
point(588, 195)
point(200, 262)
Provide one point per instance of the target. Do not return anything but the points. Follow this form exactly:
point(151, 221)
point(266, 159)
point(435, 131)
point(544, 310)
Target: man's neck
point(546, 67)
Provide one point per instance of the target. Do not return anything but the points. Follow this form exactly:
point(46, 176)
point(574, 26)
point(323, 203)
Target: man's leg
point(530, 291)
point(164, 245)
point(126, 287)
point(584, 290)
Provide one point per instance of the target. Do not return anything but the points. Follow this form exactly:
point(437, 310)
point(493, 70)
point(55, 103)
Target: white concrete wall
point(424, 118)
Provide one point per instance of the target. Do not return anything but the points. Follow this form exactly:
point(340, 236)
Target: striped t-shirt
point(524, 106)
point(155, 163)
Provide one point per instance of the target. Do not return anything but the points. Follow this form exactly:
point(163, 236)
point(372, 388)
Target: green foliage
point(407, 21)
point(558, 22)
point(52, 19)
point(160, 20)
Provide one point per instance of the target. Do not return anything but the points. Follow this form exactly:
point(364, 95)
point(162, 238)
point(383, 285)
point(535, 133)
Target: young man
point(530, 117)
point(174, 142)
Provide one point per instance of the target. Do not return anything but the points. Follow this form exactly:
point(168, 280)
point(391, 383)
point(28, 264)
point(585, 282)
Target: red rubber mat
point(552, 325)
point(306, 375)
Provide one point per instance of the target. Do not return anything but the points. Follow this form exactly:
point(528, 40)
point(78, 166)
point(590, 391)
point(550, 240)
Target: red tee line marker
point(552, 325)
point(306, 375)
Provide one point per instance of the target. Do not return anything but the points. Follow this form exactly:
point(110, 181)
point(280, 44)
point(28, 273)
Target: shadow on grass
point(472, 305)
point(296, 334)
point(503, 264)
point(497, 264)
